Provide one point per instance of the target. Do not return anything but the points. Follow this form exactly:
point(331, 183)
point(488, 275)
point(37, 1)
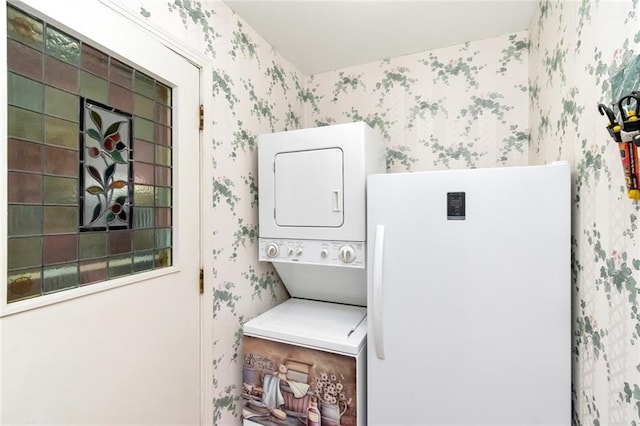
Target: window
point(89, 163)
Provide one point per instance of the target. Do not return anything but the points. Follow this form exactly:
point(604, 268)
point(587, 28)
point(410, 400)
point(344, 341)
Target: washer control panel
point(313, 252)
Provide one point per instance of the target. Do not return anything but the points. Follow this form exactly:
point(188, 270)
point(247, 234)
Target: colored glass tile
point(43, 180)
point(60, 74)
point(24, 28)
point(24, 220)
point(95, 61)
point(120, 265)
point(24, 252)
point(143, 239)
point(143, 217)
point(59, 190)
point(93, 244)
point(163, 176)
point(59, 219)
point(59, 248)
point(94, 88)
point(163, 135)
point(61, 162)
point(120, 242)
point(120, 98)
point(163, 197)
point(23, 124)
point(144, 107)
point(105, 172)
point(163, 115)
point(163, 237)
point(121, 74)
point(144, 151)
point(163, 217)
point(24, 156)
point(162, 258)
point(24, 92)
point(144, 85)
point(60, 277)
point(143, 195)
point(93, 271)
point(163, 94)
point(23, 284)
point(143, 129)
point(24, 60)
point(24, 188)
point(62, 46)
point(58, 103)
point(143, 173)
point(60, 132)
point(163, 155)
point(143, 261)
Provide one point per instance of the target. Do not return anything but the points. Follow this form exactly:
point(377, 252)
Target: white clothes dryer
point(312, 208)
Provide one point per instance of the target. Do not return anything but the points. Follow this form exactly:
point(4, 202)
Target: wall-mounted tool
point(627, 135)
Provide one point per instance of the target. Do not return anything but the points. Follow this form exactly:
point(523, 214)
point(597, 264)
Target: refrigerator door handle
point(378, 250)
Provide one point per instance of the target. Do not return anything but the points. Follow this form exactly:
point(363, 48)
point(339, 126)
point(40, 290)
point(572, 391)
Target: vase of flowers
point(329, 389)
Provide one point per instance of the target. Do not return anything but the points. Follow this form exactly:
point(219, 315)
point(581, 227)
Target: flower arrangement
point(329, 389)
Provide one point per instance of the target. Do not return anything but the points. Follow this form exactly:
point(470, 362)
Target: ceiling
point(318, 36)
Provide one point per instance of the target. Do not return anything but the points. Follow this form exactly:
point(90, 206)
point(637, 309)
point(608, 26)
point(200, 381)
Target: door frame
point(205, 66)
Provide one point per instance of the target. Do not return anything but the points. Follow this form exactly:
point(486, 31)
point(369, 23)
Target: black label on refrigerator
point(456, 206)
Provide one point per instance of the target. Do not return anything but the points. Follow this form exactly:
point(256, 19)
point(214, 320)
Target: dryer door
point(309, 188)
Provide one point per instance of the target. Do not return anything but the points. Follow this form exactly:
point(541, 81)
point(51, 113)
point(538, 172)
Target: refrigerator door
point(469, 297)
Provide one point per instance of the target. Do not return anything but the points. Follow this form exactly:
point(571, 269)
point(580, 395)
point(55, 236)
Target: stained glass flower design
point(106, 184)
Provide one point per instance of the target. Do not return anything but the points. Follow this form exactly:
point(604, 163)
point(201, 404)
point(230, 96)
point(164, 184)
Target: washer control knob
point(299, 251)
point(347, 254)
point(290, 251)
point(271, 249)
point(324, 253)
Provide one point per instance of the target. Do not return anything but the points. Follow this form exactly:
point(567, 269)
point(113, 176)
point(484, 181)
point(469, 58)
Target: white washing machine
point(304, 360)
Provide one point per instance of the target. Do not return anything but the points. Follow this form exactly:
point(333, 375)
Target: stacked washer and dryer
point(305, 360)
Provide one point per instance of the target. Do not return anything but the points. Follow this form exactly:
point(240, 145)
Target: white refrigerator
point(469, 297)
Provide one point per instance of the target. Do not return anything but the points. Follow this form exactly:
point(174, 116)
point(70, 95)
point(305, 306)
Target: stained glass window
point(89, 163)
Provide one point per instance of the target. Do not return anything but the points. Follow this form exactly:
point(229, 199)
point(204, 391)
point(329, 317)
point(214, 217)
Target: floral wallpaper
point(457, 107)
point(522, 98)
point(583, 53)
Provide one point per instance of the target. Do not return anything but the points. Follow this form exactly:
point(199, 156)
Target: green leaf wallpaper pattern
point(243, 140)
point(574, 66)
point(465, 66)
point(347, 83)
point(222, 189)
point(246, 236)
point(517, 50)
point(199, 16)
point(222, 84)
point(242, 42)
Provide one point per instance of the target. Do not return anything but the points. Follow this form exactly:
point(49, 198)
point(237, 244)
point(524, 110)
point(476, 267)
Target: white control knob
point(347, 254)
point(299, 251)
point(271, 249)
point(290, 251)
point(324, 253)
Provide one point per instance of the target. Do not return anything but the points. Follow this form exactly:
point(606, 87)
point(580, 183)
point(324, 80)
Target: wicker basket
point(291, 403)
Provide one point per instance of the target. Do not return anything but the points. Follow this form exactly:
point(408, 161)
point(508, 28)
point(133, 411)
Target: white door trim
point(206, 193)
